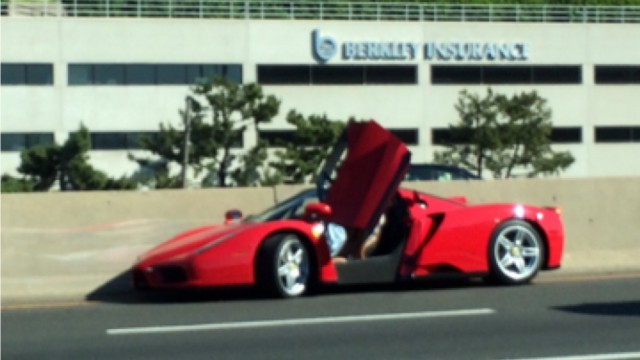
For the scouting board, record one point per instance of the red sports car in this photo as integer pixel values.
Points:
(285, 250)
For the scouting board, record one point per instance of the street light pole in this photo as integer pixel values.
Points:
(187, 135)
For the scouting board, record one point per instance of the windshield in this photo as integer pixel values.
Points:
(291, 208)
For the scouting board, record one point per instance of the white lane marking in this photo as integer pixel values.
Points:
(302, 321)
(614, 356)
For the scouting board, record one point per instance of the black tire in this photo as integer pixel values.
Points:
(516, 253)
(284, 267)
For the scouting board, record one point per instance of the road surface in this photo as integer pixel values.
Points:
(560, 319)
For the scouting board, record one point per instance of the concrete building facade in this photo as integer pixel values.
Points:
(122, 77)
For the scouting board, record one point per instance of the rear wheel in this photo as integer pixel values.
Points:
(516, 253)
(284, 267)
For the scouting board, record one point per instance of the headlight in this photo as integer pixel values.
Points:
(317, 230)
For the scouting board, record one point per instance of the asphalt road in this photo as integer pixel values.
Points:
(584, 319)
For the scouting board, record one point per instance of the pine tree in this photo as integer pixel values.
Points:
(506, 135)
(69, 165)
(300, 159)
(212, 129)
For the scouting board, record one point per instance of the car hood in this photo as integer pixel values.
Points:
(373, 167)
(195, 241)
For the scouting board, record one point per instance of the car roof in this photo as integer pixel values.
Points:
(428, 171)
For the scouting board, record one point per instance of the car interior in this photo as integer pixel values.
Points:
(382, 263)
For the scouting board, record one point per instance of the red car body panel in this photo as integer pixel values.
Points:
(451, 236)
(362, 186)
(221, 256)
(444, 235)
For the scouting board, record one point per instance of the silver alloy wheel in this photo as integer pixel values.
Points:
(293, 267)
(517, 252)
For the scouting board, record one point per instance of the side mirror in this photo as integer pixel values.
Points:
(416, 199)
(317, 211)
(232, 216)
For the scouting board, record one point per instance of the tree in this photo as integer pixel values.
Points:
(312, 141)
(155, 174)
(12, 184)
(188, 147)
(232, 107)
(252, 169)
(503, 134)
(43, 165)
(208, 145)
(527, 138)
(472, 140)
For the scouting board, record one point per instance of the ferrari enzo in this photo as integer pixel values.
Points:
(284, 250)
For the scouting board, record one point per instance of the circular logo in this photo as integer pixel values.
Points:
(324, 47)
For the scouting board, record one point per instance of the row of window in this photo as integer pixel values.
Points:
(439, 136)
(337, 74)
(276, 137)
(26, 74)
(185, 74)
(120, 74)
(498, 75)
(150, 74)
(19, 141)
(559, 135)
(114, 140)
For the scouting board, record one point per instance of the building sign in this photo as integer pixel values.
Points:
(326, 47)
(476, 51)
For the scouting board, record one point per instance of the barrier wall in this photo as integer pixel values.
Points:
(70, 245)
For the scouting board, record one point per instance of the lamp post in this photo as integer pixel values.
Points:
(186, 119)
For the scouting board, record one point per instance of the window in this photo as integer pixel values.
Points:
(444, 136)
(502, 74)
(80, 74)
(119, 140)
(27, 74)
(277, 138)
(408, 136)
(617, 74)
(150, 74)
(506, 75)
(456, 75)
(284, 75)
(557, 75)
(231, 72)
(108, 74)
(19, 141)
(617, 134)
(337, 74)
(172, 74)
(566, 135)
(391, 74)
(140, 74)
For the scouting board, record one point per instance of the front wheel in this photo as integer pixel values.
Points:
(284, 267)
(516, 253)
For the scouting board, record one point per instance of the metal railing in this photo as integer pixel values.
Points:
(303, 10)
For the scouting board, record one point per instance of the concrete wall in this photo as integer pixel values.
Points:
(68, 245)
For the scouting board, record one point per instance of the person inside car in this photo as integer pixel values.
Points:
(359, 247)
